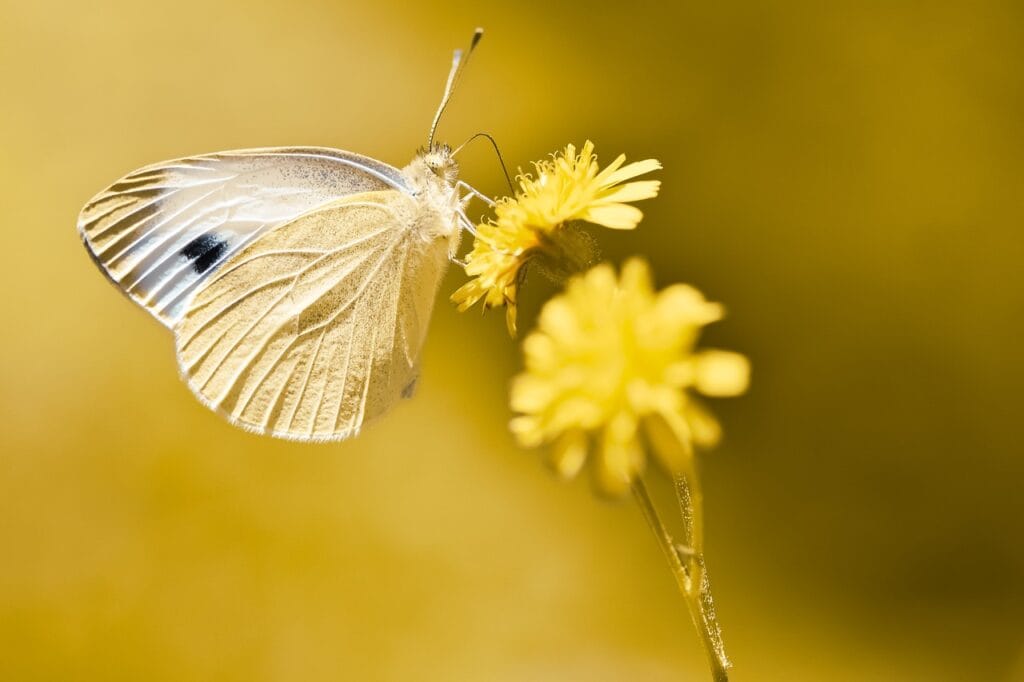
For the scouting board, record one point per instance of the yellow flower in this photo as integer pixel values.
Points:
(611, 362)
(569, 187)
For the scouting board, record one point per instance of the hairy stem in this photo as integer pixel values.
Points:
(691, 506)
(687, 565)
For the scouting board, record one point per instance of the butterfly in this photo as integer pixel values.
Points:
(298, 281)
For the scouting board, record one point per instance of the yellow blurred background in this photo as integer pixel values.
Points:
(845, 176)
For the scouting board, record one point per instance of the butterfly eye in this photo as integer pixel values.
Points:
(437, 164)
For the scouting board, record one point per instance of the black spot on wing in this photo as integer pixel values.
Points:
(204, 251)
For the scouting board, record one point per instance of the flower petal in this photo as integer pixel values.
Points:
(721, 373)
(510, 316)
(685, 304)
(531, 393)
(636, 276)
(633, 191)
(468, 294)
(621, 458)
(569, 453)
(527, 431)
(705, 428)
(604, 178)
(632, 170)
(613, 216)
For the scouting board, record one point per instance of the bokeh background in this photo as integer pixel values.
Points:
(845, 176)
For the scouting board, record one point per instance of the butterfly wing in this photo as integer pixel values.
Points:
(314, 329)
(161, 231)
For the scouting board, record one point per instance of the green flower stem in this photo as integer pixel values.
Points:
(687, 565)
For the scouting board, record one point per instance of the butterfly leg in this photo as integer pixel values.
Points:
(466, 224)
(472, 192)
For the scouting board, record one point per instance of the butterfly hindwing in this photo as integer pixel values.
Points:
(315, 327)
(161, 231)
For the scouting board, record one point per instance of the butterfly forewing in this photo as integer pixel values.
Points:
(314, 328)
(161, 231)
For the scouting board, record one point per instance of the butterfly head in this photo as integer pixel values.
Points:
(439, 162)
(433, 173)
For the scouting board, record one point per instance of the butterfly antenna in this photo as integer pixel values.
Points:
(458, 64)
(501, 160)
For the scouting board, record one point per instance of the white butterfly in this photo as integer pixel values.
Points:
(298, 282)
